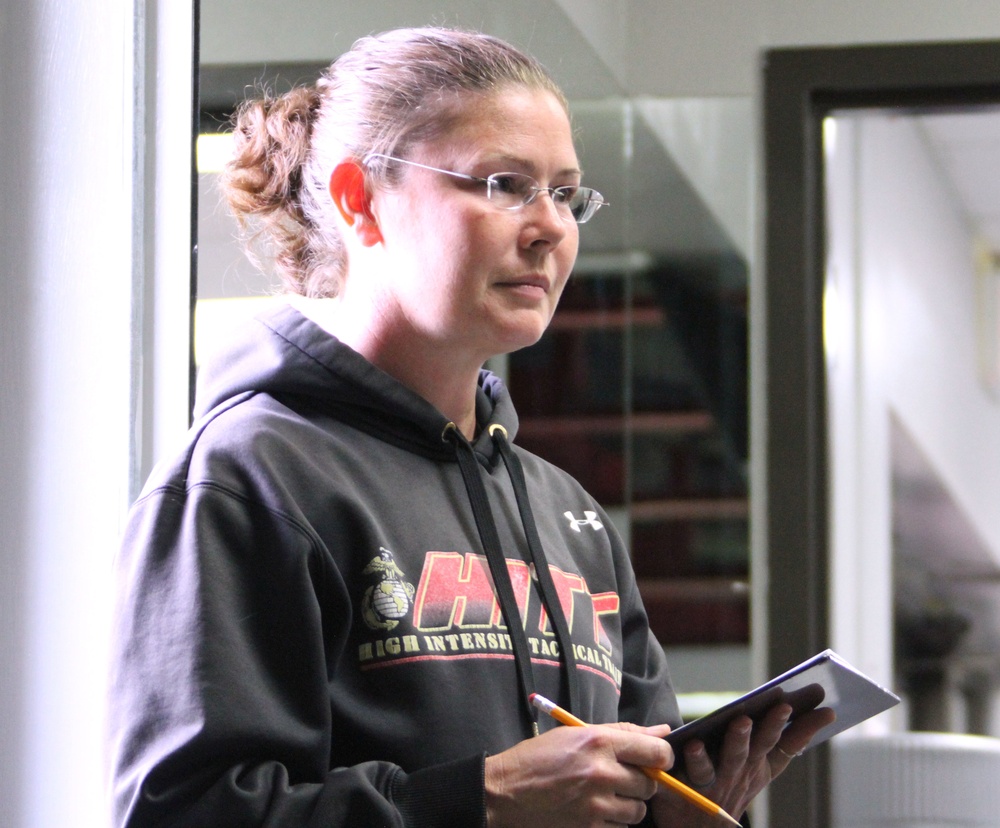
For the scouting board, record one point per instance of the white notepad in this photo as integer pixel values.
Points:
(825, 680)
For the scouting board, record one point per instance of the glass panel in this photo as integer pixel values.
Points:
(639, 387)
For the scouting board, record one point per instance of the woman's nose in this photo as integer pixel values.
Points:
(553, 221)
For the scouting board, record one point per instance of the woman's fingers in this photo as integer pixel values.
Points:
(698, 766)
(576, 777)
(797, 736)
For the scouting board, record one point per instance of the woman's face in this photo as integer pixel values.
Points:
(461, 272)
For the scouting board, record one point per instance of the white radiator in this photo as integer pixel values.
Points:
(916, 780)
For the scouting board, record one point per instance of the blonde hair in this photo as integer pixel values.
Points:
(387, 94)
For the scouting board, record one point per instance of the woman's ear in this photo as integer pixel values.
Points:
(347, 188)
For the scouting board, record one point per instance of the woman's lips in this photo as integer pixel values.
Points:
(532, 284)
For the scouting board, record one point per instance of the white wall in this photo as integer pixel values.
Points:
(65, 329)
(919, 253)
(75, 246)
(861, 615)
(685, 48)
(902, 268)
(680, 48)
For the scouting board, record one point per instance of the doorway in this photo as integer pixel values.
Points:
(810, 565)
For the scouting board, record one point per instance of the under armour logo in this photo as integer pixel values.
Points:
(589, 519)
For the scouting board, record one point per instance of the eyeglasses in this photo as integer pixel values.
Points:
(512, 191)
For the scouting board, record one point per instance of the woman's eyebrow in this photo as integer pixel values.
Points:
(517, 162)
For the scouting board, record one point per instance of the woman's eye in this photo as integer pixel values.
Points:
(565, 195)
(511, 183)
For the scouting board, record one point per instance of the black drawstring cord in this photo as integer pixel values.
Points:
(550, 594)
(498, 567)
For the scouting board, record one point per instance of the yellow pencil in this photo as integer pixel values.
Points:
(567, 718)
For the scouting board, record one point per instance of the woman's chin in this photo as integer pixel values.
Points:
(520, 338)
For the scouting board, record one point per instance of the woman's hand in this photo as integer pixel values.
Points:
(750, 759)
(576, 777)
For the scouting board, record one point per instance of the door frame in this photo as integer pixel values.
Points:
(801, 86)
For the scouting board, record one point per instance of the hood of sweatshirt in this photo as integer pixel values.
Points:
(286, 355)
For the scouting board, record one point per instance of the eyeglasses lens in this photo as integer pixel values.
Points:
(513, 190)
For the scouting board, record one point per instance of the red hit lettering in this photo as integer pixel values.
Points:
(457, 590)
(604, 603)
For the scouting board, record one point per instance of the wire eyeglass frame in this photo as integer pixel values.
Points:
(580, 203)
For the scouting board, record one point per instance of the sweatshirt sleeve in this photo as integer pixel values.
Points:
(219, 710)
(647, 691)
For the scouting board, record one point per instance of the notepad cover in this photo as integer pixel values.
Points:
(825, 680)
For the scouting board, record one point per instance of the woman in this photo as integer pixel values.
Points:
(336, 600)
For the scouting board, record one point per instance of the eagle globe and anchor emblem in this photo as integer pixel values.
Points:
(389, 599)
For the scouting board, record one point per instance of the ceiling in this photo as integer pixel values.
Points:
(967, 144)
